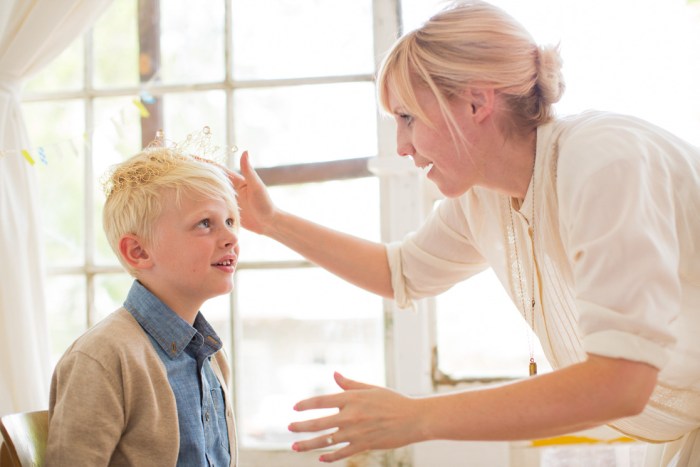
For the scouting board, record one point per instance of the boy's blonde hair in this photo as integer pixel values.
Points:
(135, 192)
(473, 43)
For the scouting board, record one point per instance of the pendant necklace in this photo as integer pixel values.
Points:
(532, 368)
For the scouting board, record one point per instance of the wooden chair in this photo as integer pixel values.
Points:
(24, 436)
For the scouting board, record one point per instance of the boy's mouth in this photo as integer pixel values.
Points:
(227, 263)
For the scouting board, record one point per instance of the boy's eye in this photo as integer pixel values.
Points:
(204, 223)
(230, 222)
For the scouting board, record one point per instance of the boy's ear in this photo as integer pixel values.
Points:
(481, 101)
(134, 252)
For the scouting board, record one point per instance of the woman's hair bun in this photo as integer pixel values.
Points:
(550, 80)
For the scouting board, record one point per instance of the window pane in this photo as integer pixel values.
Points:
(351, 206)
(481, 333)
(306, 123)
(626, 85)
(65, 73)
(286, 39)
(56, 131)
(116, 48)
(110, 293)
(117, 136)
(192, 41)
(294, 339)
(67, 313)
(117, 132)
(217, 311)
(188, 113)
(416, 12)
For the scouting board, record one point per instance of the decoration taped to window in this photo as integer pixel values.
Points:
(53, 150)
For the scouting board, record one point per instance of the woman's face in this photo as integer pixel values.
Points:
(448, 158)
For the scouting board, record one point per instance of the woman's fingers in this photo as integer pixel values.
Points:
(245, 163)
(320, 442)
(247, 169)
(328, 440)
(236, 178)
(347, 383)
(369, 417)
(315, 424)
(342, 453)
(256, 207)
(331, 401)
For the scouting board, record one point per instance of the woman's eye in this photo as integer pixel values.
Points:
(408, 119)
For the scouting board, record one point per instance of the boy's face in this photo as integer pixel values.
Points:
(195, 252)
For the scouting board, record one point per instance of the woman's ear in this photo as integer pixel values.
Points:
(134, 252)
(482, 102)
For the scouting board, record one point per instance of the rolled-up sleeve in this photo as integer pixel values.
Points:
(619, 224)
(434, 258)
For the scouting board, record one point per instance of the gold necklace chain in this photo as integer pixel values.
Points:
(532, 367)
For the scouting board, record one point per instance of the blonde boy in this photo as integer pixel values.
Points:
(149, 385)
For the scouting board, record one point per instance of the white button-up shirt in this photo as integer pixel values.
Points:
(616, 254)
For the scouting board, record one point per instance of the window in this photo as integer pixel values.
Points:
(261, 80)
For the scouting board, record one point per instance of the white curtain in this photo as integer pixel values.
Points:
(32, 33)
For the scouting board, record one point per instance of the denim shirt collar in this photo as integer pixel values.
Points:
(172, 333)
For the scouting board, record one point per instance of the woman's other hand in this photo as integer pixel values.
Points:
(369, 417)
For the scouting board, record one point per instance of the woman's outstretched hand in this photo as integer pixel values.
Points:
(257, 209)
(369, 417)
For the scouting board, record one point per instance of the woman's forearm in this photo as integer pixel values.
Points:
(358, 261)
(581, 396)
(584, 395)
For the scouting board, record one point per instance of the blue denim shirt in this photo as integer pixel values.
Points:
(186, 353)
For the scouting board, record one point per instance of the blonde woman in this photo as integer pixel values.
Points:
(590, 222)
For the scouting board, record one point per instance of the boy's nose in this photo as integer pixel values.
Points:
(230, 239)
(232, 242)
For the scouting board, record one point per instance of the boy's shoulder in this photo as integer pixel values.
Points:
(111, 337)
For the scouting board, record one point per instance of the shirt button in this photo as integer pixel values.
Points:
(206, 416)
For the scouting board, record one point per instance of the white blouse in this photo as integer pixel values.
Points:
(616, 237)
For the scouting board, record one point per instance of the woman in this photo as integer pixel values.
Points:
(590, 222)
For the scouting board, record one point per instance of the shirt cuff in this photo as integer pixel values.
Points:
(393, 255)
(618, 344)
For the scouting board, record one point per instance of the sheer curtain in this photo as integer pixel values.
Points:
(32, 33)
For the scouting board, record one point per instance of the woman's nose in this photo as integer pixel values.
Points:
(404, 146)
(404, 152)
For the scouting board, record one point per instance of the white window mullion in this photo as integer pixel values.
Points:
(409, 335)
(89, 180)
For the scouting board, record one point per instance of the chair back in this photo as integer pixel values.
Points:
(24, 436)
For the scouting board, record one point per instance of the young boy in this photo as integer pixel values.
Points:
(149, 385)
